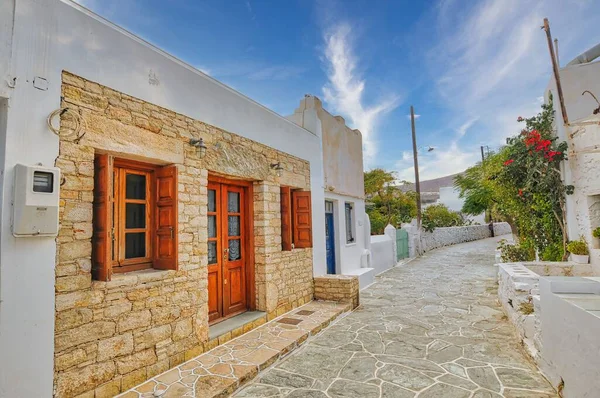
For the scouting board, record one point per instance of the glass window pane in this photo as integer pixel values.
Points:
(135, 215)
(212, 252)
(349, 224)
(212, 226)
(234, 226)
(233, 202)
(135, 186)
(212, 200)
(234, 250)
(135, 245)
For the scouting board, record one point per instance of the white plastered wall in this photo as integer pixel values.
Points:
(582, 170)
(55, 35)
(343, 182)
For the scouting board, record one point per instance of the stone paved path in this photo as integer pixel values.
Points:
(429, 329)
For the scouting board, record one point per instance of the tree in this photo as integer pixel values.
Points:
(386, 203)
(437, 216)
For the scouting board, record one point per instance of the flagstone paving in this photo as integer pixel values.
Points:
(220, 371)
(429, 329)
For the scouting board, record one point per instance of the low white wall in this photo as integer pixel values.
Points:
(517, 290)
(569, 334)
(560, 334)
(382, 253)
(447, 236)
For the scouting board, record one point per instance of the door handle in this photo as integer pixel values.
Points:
(225, 251)
(172, 232)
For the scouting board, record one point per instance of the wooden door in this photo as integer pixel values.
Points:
(226, 250)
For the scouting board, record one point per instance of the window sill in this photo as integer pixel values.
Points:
(350, 244)
(134, 278)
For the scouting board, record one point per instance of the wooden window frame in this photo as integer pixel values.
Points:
(121, 168)
(109, 223)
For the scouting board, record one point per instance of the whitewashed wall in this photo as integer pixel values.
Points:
(447, 236)
(569, 335)
(582, 169)
(382, 253)
(54, 35)
(342, 177)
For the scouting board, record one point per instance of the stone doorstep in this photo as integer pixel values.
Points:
(222, 370)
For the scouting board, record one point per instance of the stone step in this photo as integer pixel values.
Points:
(222, 370)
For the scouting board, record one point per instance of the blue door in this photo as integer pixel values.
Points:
(329, 238)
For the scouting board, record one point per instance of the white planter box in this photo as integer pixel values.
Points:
(580, 259)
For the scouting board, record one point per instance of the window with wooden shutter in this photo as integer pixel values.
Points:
(102, 236)
(286, 219)
(165, 255)
(302, 219)
(135, 217)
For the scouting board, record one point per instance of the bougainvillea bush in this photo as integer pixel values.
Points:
(522, 184)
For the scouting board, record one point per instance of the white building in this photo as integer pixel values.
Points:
(582, 133)
(347, 225)
(450, 197)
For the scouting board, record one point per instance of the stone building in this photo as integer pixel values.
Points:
(182, 204)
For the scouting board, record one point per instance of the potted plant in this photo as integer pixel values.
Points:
(579, 251)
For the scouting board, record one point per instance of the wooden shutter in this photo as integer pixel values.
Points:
(102, 237)
(165, 236)
(301, 209)
(286, 219)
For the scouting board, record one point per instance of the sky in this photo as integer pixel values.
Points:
(469, 68)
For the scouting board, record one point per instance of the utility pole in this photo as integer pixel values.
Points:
(488, 212)
(556, 72)
(417, 183)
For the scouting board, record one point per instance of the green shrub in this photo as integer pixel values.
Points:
(596, 232)
(378, 221)
(436, 216)
(578, 247)
(552, 252)
(514, 253)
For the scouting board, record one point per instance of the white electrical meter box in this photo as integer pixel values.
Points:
(35, 205)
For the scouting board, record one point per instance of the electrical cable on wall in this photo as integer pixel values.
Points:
(77, 132)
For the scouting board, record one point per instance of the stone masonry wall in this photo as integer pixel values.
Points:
(110, 336)
(340, 288)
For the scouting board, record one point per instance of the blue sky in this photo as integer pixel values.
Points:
(470, 68)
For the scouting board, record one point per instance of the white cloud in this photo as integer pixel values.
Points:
(416, 117)
(437, 163)
(345, 88)
(462, 130)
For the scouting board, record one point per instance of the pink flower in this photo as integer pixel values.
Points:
(520, 119)
(509, 161)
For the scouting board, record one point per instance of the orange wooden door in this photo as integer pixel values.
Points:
(226, 250)
(215, 258)
(234, 256)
